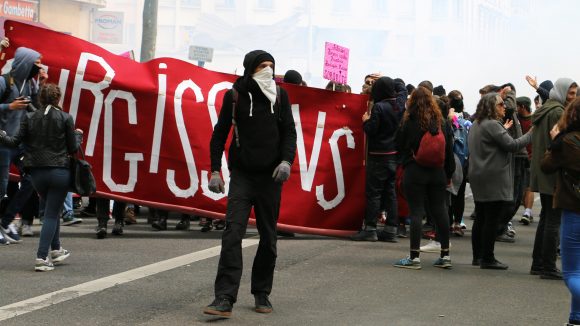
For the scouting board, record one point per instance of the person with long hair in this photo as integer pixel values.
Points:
(563, 157)
(49, 137)
(424, 184)
(490, 175)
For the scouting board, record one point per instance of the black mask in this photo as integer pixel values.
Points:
(457, 104)
(34, 71)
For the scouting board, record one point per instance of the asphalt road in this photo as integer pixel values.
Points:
(148, 277)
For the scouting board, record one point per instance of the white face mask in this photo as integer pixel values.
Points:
(264, 80)
(264, 74)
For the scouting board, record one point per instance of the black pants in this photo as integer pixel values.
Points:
(103, 210)
(263, 194)
(547, 233)
(420, 183)
(380, 181)
(484, 229)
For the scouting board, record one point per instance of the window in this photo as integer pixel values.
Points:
(380, 7)
(437, 46)
(405, 9)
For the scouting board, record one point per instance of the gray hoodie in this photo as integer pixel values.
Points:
(21, 86)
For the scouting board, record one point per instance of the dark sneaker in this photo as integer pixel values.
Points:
(118, 228)
(221, 306)
(476, 262)
(160, 224)
(101, 231)
(11, 233)
(263, 304)
(551, 275)
(505, 238)
(364, 235)
(43, 265)
(69, 218)
(206, 225)
(183, 225)
(402, 231)
(58, 256)
(285, 234)
(525, 220)
(493, 265)
(387, 237)
(219, 224)
(444, 262)
(536, 271)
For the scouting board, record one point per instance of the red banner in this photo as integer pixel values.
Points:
(147, 128)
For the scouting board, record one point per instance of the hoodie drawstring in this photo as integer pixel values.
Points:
(251, 103)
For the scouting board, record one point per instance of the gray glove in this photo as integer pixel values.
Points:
(281, 172)
(216, 184)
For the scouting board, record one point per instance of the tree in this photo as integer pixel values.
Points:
(149, 30)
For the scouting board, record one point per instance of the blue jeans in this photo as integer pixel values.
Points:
(7, 155)
(52, 186)
(570, 251)
(68, 203)
(380, 179)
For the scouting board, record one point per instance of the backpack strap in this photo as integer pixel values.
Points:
(8, 89)
(235, 97)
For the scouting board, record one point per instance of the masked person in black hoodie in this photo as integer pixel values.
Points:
(380, 126)
(260, 155)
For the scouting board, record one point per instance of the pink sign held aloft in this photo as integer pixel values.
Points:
(335, 63)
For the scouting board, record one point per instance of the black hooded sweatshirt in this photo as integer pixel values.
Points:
(385, 117)
(265, 138)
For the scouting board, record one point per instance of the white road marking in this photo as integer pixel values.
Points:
(49, 299)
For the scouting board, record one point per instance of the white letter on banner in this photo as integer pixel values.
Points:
(307, 172)
(96, 89)
(132, 158)
(189, 192)
(337, 169)
(214, 118)
(159, 117)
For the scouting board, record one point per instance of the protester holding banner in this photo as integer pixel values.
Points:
(380, 126)
(48, 136)
(260, 156)
(423, 121)
(17, 92)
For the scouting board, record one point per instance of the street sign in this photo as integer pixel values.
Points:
(200, 53)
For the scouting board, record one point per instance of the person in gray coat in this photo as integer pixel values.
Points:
(490, 175)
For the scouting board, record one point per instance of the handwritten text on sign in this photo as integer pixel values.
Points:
(335, 63)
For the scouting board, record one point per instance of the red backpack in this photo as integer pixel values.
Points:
(431, 152)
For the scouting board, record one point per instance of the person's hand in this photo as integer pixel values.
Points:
(281, 172)
(5, 42)
(532, 81)
(366, 117)
(508, 124)
(504, 92)
(554, 132)
(18, 104)
(42, 76)
(451, 113)
(216, 184)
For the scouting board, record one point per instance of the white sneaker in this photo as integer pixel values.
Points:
(11, 233)
(27, 230)
(43, 265)
(58, 256)
(510, 230)
(3, 240)
(431, 246)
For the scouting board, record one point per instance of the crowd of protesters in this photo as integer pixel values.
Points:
(422, 150)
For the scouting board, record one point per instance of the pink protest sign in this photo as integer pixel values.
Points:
(335, 63)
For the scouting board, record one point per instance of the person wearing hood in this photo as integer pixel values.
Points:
(380, 126)
(543, 120)
(18, 90)
(260, 156)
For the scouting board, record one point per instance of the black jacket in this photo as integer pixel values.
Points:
(408, 138)
(48, 137)
(385, 116)
(265, 138)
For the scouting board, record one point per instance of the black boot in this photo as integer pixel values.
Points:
(118, 227)
(161, 223)
(101, 230)
(184, 223)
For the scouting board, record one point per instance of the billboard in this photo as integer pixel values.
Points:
(107, 27)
